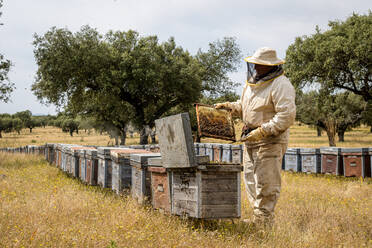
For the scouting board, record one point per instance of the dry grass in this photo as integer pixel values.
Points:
(40, 136)
(42, 207)
(301, 136)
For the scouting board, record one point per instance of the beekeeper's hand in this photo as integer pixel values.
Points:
(256, 135)
(222, 106)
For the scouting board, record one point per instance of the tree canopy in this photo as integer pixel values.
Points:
(123, 76)
(335, 113)
(339, 58)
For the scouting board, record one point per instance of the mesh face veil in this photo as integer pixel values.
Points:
(251, 72)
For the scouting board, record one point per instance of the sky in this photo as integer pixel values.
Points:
(193, 23)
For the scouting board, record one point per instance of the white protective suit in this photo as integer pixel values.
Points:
(271, 105)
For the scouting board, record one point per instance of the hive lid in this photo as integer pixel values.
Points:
(354, 150)
(125, 153)
(237, 147)
(310, 151)
(137, 146)
(293, 151)
(175, 141)
(91, 152)
(208, 145)
(143, 157)
(105, 150)
(330, 150)
(201, 159)
(154, 161)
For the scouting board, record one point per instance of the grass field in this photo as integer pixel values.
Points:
(301, 136)
(40, 206)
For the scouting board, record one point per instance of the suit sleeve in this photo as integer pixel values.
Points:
(283, 97)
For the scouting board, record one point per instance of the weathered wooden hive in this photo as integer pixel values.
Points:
(105, 166)
(82, 165)
(310, 160)
(161, 183)
(331, 160)
(91, 166)
(208, 191)
(356, 162)
(292, 160)
(74, 153)
(121, 169)
(141, 178)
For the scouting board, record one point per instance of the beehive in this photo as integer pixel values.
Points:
(201, 149)
(237, 154)
(356, 162)
(217, 152)
(141, 178)
(74, 167)
(82, 165)
(160, 183)
(310, 160)
(331, 160)
(209, 151)
(208, 191)
(160, 187)
(105, 166)
(293, 160)
(121, 169)
(226, 154)
(196, 146)
(91, 161)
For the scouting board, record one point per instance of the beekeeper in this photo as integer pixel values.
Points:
(267, 108)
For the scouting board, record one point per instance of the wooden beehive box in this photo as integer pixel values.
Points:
(201, 149)
(226, 155)
(121, 169)
(217, 152)
(91, 166)
(141, 178)
(82, 165)
(331, 160)
(74, 170)
(292, 160)
(160, 183)
(310, 160)
(105, 166)
(207, 192)
(209, 151)
(175, 141)
(356, 162)
(160, 187)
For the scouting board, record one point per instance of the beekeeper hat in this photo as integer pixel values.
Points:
(264, 56)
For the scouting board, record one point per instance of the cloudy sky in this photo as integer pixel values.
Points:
(193, 23)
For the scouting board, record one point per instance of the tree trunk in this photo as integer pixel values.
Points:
(152, 135)
(341, 136)
(123, 138)
(30, 129)
(1, 135)
(331, 132)
(370, 130)
(71, 132)
(319, 131)
(116, 140)
(77, 130)
(144, 136)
